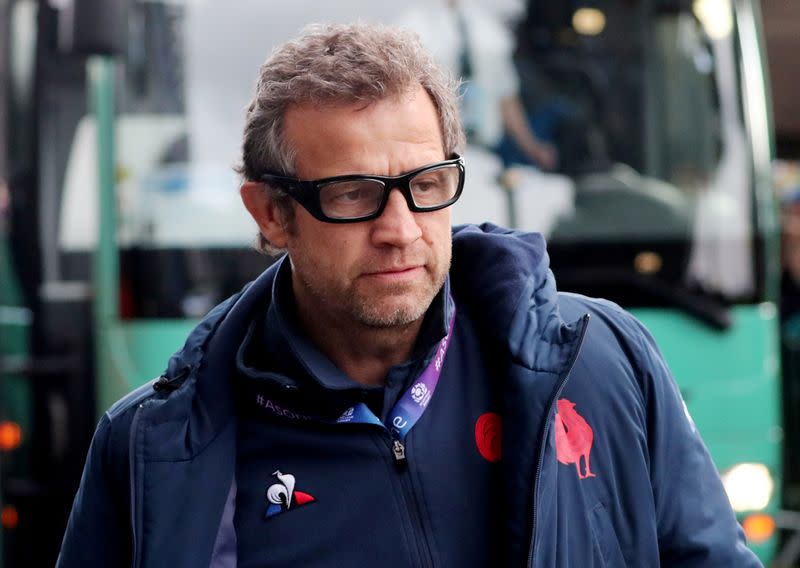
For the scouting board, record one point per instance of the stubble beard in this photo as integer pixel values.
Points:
(378, 312)
(374, 313)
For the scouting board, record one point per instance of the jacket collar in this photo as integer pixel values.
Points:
(502, 276)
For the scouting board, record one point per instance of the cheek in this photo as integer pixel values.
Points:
(315, 238)
(437, 230)
(332, 248)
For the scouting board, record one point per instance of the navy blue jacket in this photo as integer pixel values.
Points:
(601, 465)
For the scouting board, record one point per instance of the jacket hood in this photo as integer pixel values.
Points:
(504, 275)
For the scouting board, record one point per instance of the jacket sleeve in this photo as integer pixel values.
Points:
(696, 525)
(98, 531)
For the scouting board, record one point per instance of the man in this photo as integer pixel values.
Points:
(346, 408)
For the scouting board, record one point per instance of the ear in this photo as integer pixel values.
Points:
(265, 212)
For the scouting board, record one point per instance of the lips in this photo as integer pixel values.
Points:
(395, 272)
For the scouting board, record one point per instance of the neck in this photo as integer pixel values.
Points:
(365, 353)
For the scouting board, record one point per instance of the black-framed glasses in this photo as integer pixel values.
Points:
(353, 198)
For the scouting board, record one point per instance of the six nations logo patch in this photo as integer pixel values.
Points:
(421, 394)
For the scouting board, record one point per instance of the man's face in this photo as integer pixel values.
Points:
(384, 272)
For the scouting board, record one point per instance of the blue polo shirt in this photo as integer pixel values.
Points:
(311, 492)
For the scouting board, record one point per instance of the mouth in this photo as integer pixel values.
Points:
(395, 274)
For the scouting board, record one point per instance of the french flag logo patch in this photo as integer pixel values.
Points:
(282, 496)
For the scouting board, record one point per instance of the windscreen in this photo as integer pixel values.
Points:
(643, 102)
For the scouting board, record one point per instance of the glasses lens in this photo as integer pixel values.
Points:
(350, 199)
(435, 187)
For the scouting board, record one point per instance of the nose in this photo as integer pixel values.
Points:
(397, 226)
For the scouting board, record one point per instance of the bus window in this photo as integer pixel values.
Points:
(647, 118)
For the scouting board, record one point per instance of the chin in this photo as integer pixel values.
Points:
(388, 316)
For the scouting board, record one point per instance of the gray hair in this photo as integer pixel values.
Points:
(330, 64)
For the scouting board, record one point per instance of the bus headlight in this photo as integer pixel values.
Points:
(749, 486)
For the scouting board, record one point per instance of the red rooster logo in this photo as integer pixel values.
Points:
(573, 438)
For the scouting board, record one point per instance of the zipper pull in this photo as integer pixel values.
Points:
(399, 451)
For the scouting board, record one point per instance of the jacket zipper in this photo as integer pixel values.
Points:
(540, 461)
(400, 458)
(399, 452)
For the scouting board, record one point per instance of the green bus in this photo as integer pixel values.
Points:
(125, 225)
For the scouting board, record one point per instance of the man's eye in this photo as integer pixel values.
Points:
(429, 182)
(427, 185)
(349, 196)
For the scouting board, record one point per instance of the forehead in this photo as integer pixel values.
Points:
(387, 136)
